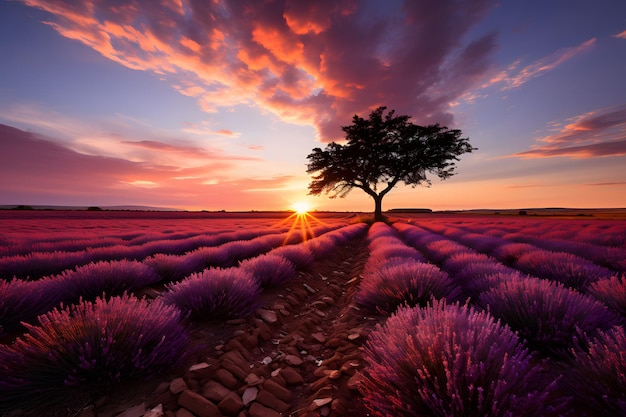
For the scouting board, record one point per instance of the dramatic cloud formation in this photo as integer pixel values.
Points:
(309, 62)
(593, 134)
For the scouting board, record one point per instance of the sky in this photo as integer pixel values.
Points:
(215, 105)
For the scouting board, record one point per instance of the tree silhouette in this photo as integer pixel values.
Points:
(384, 149)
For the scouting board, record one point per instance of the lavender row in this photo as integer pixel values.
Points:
(432, 358)
(396, 274)
(77, 351)
(24, 300)
(571, 270)
(613, 258)
(473, 272)
(39, 264)
(451, 359)
(218, 294)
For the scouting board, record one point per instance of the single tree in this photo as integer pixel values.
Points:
(384, 149)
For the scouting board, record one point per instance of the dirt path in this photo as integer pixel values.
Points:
(296, 357)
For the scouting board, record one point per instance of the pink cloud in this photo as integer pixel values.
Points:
(594, 134)
(184, 150)
(621, 35)
(514, 77)
(313, 63)
(37, 170)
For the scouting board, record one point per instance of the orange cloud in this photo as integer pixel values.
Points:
(307, 62)
(598, 133)
(621, 35)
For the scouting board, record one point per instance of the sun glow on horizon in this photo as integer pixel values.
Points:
(301, 207)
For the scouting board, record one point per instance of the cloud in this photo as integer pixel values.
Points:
(594, 134)
(36, 169)
(308, 62)
(515, 75)
(621, 35)
(515, 78)
(607, 184)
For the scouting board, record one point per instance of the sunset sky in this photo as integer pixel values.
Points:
(198, 104)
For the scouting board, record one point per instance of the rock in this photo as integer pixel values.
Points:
(270, 400)
(214, 391)
(293, 360)
(235, 369)
(353, 336)
(234, 322)
(249, 395)
(309, 288)
(161, 388)
(258, 410)
(278, 390)
(198, 405)
(202, 370)
(184, 413)
(155, 412)
(292, 377)
(136, 411)
(335, 374)
(236, 345)
(319, 337)
(268, 316)
(328, 300)
(254, 379)
(319, 402)
(177, 386)
(226, 378)
(338, 407)
(354, 382)
(319, 384)
(231, 404)
(198, 366)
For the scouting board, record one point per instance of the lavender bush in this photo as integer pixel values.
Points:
(269, 270)
(572, 271)
(22, 300)
(509, 253)
(410, 283)
(113, 278)
(215, 294)
(450, 360)
(545, 313)
(597, 377)
(170, 268)
(612, 292)
(299, 255)
(83, 349)
(38, 264)
(321, 246)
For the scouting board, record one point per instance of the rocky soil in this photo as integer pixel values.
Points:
(299, 355)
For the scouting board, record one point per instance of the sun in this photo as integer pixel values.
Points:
(301, 207)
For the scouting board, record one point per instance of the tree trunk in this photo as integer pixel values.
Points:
(378, 209)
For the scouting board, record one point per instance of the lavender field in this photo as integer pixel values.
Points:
(427, 315)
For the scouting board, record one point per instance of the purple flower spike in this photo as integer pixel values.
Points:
(215, 294)
(450, 360)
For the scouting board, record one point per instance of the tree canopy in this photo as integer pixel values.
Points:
(381, 152)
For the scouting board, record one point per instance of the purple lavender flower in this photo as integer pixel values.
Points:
(269, 270)
(450, 360)
(215, 294)
(597, 376)
(76, 352)
(411, 283)
(545, 313)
